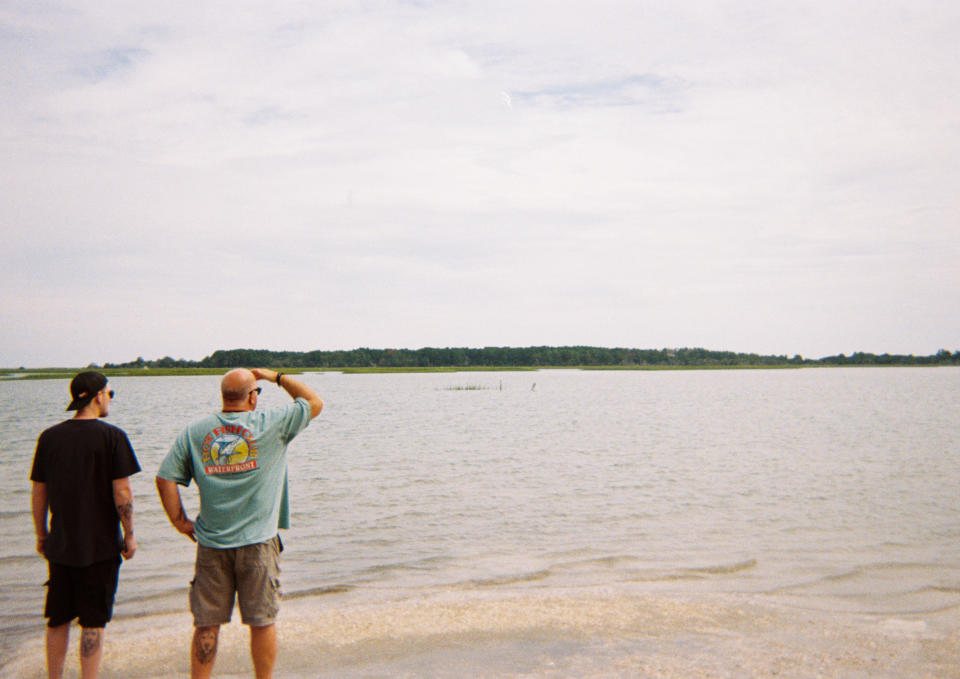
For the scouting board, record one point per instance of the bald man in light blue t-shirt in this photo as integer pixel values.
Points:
(237, 458)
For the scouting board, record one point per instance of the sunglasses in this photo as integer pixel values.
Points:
(258, 390)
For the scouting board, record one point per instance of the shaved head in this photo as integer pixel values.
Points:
(236, 385)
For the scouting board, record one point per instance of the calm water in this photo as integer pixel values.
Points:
(558, 523)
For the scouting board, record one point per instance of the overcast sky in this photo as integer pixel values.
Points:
(756, 176)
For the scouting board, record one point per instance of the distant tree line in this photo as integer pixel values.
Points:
(515, 357)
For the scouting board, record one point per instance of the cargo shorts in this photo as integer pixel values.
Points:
(252, 572)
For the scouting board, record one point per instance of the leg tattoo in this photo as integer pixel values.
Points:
(205, 646)
(90, 642)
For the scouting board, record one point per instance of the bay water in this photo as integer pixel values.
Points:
(555, 523)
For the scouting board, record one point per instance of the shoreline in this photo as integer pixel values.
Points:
(595, 632)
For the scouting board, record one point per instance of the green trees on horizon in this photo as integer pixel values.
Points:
(517, 357)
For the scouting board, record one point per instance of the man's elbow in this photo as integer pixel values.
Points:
(122, 489)
(316, 405)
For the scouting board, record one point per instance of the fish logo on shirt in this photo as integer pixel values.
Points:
(229, 449)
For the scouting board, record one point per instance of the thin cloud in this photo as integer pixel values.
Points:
(109, 63)
(647, 90)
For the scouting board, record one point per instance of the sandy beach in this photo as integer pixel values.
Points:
(584, 635)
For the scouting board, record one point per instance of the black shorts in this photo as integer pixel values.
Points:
(86, 593)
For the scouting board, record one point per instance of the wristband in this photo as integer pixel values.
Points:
(279, 375)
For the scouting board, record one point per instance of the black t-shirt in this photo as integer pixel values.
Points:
(78, 460)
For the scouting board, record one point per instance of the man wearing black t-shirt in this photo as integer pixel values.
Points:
(81, 482)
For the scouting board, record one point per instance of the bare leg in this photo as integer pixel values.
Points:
(57, 640)
(263, 648)
(204, 651)
(91, 651)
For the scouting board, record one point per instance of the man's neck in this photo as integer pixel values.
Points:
(88, 412)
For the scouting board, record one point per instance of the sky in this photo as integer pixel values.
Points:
(753, 176)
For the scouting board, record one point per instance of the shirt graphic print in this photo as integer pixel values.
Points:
(229, 449)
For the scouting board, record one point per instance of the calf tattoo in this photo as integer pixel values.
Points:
(205, 646)
(90, 642)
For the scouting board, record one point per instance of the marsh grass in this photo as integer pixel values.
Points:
(10, 374)
(430, 369)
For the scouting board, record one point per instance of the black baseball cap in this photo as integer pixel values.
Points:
(84, 387)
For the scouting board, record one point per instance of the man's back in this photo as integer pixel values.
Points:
(239, 463)
(78, 461)
(238, 458)
(80, 498)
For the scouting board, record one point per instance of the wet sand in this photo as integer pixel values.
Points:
(584, 635)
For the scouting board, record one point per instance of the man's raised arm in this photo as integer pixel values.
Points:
(292, 386)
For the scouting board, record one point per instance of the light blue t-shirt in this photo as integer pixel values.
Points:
(239, 462)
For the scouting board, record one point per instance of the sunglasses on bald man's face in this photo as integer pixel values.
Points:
(258, 390)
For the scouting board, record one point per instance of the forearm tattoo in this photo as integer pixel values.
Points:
(125, 511)
(205, 646)
(90, 642)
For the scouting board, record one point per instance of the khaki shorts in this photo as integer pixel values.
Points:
(251, 571)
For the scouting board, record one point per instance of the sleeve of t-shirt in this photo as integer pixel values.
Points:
(124, 460)
(176, 465)
(296, 418)
(37, 472)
